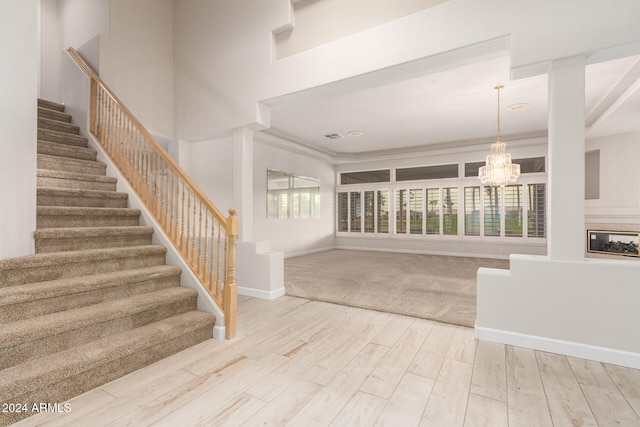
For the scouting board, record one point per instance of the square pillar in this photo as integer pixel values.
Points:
(243, 181)
(565, 212)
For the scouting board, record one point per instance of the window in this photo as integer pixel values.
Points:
(383, 212)
(365, 177)
(415, 211)
(492, 211)
(363, 211)
(356, 211)
(401, 211)
(343, 212)
(433, 210)
(513, 202)
(427, 172)
(536, 210)
(292, 196)
(432, 217)
(450, 211)
(528, 165)
(472, 211)
(369, 211)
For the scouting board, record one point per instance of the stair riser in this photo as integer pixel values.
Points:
(58, 126)
(96, 375)
(63, 221)
(43, 103)
(60, 244)
(20, 276)
(62, 138)
(127, 321)
(61, 150)
(54, 115)
(79, 201)
(45, 181)
(70, 165)
(41, 307)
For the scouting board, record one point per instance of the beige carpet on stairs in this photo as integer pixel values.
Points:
(441, 288)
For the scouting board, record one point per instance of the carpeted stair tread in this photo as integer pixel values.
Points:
(76, 176)
(51, 105)
(81, 238)
(67, 217)
(78, 233)
(52, 114)
(43, 335)
(59, 265)
(44, 123)
(36, 299)
(63, 138)
(79, 197)
(91, 167)
(63, 150)
(62, 375)
(62, 179)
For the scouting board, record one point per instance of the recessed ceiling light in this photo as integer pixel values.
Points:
(517, 107)
(354, 133)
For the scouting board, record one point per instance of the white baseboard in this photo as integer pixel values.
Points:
(309, 252)
(568, 348)
(259, 293)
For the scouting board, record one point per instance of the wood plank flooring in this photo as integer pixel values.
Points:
(305, 363)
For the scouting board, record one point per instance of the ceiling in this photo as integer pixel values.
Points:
(455, 105)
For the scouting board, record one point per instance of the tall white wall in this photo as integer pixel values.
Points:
(224, 61)
(320, 22)
(619, 180)
(136, 60)
(19, 87)
(50, 50)
(293, 236)
(82, 20)
(209, 165)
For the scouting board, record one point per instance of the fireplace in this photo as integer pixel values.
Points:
(623, 243)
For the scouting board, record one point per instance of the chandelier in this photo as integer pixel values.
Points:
(498, 170)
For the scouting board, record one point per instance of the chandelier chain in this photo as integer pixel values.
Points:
(498, 88)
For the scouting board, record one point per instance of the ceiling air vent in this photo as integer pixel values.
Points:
(333, 136)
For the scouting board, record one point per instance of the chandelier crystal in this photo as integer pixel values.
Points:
(498, 170)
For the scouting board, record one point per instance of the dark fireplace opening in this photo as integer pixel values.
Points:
(613, 242)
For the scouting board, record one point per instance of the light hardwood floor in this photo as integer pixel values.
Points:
(303, 363)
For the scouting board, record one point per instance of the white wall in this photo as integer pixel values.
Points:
(209, 164)
(136, 60)
(18, 105)
(50, 50)
(293, 236)
(82, 20)
(619, 180)
(583, 309)
(223, 50)
(315, 23)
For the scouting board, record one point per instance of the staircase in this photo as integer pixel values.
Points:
(96, 301)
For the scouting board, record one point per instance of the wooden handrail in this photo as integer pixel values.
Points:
(92, 74)
(205, 238)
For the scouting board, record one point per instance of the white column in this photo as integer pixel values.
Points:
(566, 226)
(18, 107)
(243, 181)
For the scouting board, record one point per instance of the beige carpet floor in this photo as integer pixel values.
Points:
(441, 288)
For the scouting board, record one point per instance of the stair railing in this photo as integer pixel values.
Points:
(205, 238)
